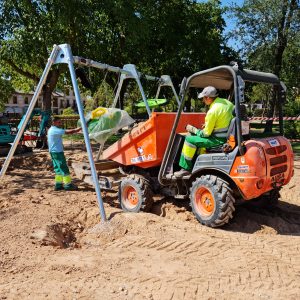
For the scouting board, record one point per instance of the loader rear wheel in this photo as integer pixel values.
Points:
(135, 194)
(212, 200)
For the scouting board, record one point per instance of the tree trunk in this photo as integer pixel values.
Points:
(283, 32)
(49, 87)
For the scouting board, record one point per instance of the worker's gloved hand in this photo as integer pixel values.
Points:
(191, 129)
(200, 133)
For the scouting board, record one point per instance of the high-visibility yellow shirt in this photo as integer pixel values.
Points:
(218, 116)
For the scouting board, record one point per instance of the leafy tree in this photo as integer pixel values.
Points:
(6, 90)
(176, 37)
(268, 32)
(29, 28)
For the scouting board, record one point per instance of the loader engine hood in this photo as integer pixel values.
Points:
(266, 165)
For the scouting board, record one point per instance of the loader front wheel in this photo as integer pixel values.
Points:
(135, 194)
(212, 200)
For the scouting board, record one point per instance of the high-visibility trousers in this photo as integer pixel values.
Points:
(190, 146)
(61, 169)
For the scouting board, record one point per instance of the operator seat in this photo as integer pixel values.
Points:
(231, 134)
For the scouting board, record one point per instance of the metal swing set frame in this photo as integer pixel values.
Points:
(62, 54)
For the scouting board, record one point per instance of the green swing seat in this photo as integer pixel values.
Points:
(152, 103)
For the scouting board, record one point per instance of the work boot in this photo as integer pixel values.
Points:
(182, 173)
(58, 187)
(70, 187)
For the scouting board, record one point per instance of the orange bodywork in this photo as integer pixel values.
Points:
(267, 164)
(145, 145)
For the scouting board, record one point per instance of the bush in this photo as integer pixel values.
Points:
(292, 128)
(68, 111)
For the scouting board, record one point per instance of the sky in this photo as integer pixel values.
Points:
(230, 23)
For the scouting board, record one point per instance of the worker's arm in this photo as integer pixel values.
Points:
(210, 121)
(71, 131)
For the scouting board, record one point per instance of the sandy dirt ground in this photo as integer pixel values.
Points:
(52, 245)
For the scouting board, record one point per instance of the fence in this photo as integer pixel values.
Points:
(34, 124)
(71, 122)
(275, 119)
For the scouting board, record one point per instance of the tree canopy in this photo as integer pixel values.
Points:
(269, 36)
(175, 37)
(268, 32)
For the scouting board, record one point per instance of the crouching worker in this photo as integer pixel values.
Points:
(213, 134)
(56, 150)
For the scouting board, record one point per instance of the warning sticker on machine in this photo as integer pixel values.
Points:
(243, 169)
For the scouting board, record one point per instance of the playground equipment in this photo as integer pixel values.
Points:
(129, 72)
(163, 81)
(61, 54)
(7, 136)
(243, 169)
(8, 133)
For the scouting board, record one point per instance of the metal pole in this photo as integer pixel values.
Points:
(91, 63)
(175, 94)
(165, 80)
(29, 110)
(117, 95)
(85, 131)
(157, 92)
(143, 96)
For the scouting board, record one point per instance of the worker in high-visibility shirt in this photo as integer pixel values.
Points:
(213, 134)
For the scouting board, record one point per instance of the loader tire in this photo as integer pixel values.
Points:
(212, 200)
(135, 194)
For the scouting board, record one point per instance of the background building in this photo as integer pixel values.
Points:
(19, 102)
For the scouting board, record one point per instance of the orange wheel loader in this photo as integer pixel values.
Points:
(243, 169)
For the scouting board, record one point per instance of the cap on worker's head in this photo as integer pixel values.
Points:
(209, 91)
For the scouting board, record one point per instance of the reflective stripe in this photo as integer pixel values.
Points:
(188, 150)
(225, 129)
(67, 179)
(221, 132)
(220, 135)
(58, 178)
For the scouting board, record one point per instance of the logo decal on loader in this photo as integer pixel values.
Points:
(141, 158)
(219, 158)
(274, 143)
(243, 169)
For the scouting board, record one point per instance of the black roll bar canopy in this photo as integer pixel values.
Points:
(223, 78)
